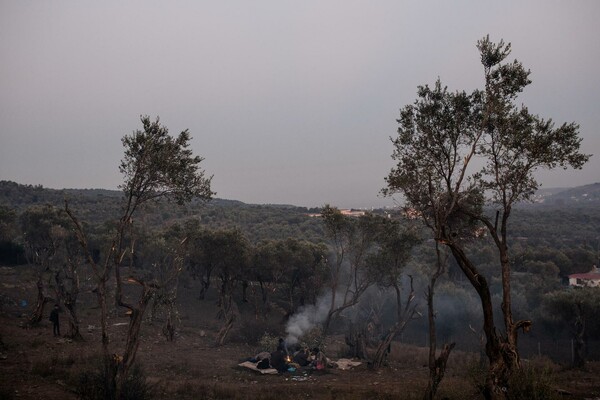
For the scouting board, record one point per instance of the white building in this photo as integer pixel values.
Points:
(588, 279)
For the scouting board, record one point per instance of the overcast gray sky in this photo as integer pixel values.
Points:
(288, 101)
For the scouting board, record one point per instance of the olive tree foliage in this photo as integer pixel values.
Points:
(155, 166)
(42, 229)
(457, 152)
(351, 242)
(293, 267)
(165, 253)
(11, 251)
(394, 245)
(234, 253)
(306, 273)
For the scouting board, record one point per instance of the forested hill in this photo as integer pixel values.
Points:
(97, 206)
(566, 221)
(587, 195)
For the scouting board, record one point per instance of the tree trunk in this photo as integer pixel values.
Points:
(69, 299)
(499, 371)
(384, 347)
(356, 339)
(228, 311)
(133, 340)
(229, 316)
(437, 371)
(224, 331)
(244, 291)
(579, 338)
(38, 313)
(74, 332)
(437, 366)
(404, 316)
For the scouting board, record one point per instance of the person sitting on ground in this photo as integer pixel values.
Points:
(261, 356)
(320, 361)
(301, 357)
(262, 360)
(278, 360)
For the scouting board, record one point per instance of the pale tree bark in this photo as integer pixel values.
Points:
(228, 311)
(41, 300)
(69, 295)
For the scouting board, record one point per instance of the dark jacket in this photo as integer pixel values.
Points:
(278, 361)
(301, 358)
(54, 316)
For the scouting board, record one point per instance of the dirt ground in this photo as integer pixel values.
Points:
(36, 365)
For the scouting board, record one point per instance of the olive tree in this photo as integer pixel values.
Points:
(395, 244)
(155, 166)
(352, 241)
(43, 235)
(463, 161)
(576, 309)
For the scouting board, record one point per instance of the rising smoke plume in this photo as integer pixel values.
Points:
(306, 319)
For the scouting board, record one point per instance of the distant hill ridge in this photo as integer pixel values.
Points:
(96, 206)
(21, 196)
(581, 195)
(18, 195)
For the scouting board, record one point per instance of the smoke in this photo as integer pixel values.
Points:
(307, 318)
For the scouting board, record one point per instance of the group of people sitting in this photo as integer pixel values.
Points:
(282, 360)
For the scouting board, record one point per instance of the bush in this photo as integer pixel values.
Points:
(532, 383)
(251, 332)
(313, 338)
(91, 385)
(268, 342)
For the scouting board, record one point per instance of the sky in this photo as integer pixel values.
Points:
(289, 102)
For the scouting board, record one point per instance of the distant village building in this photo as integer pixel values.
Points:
(346, 212)
(588, 279)
(353, 213)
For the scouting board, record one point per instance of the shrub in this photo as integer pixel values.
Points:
(532, 383)
(313, 338)
(251, 332)
(268, 342)
(91, 385)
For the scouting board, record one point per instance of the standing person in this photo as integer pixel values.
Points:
(55, 321)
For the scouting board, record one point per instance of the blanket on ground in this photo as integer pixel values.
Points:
(252, 366)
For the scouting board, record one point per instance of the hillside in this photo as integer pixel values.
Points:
(587, 195)
(549, 241)
(96, 206)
